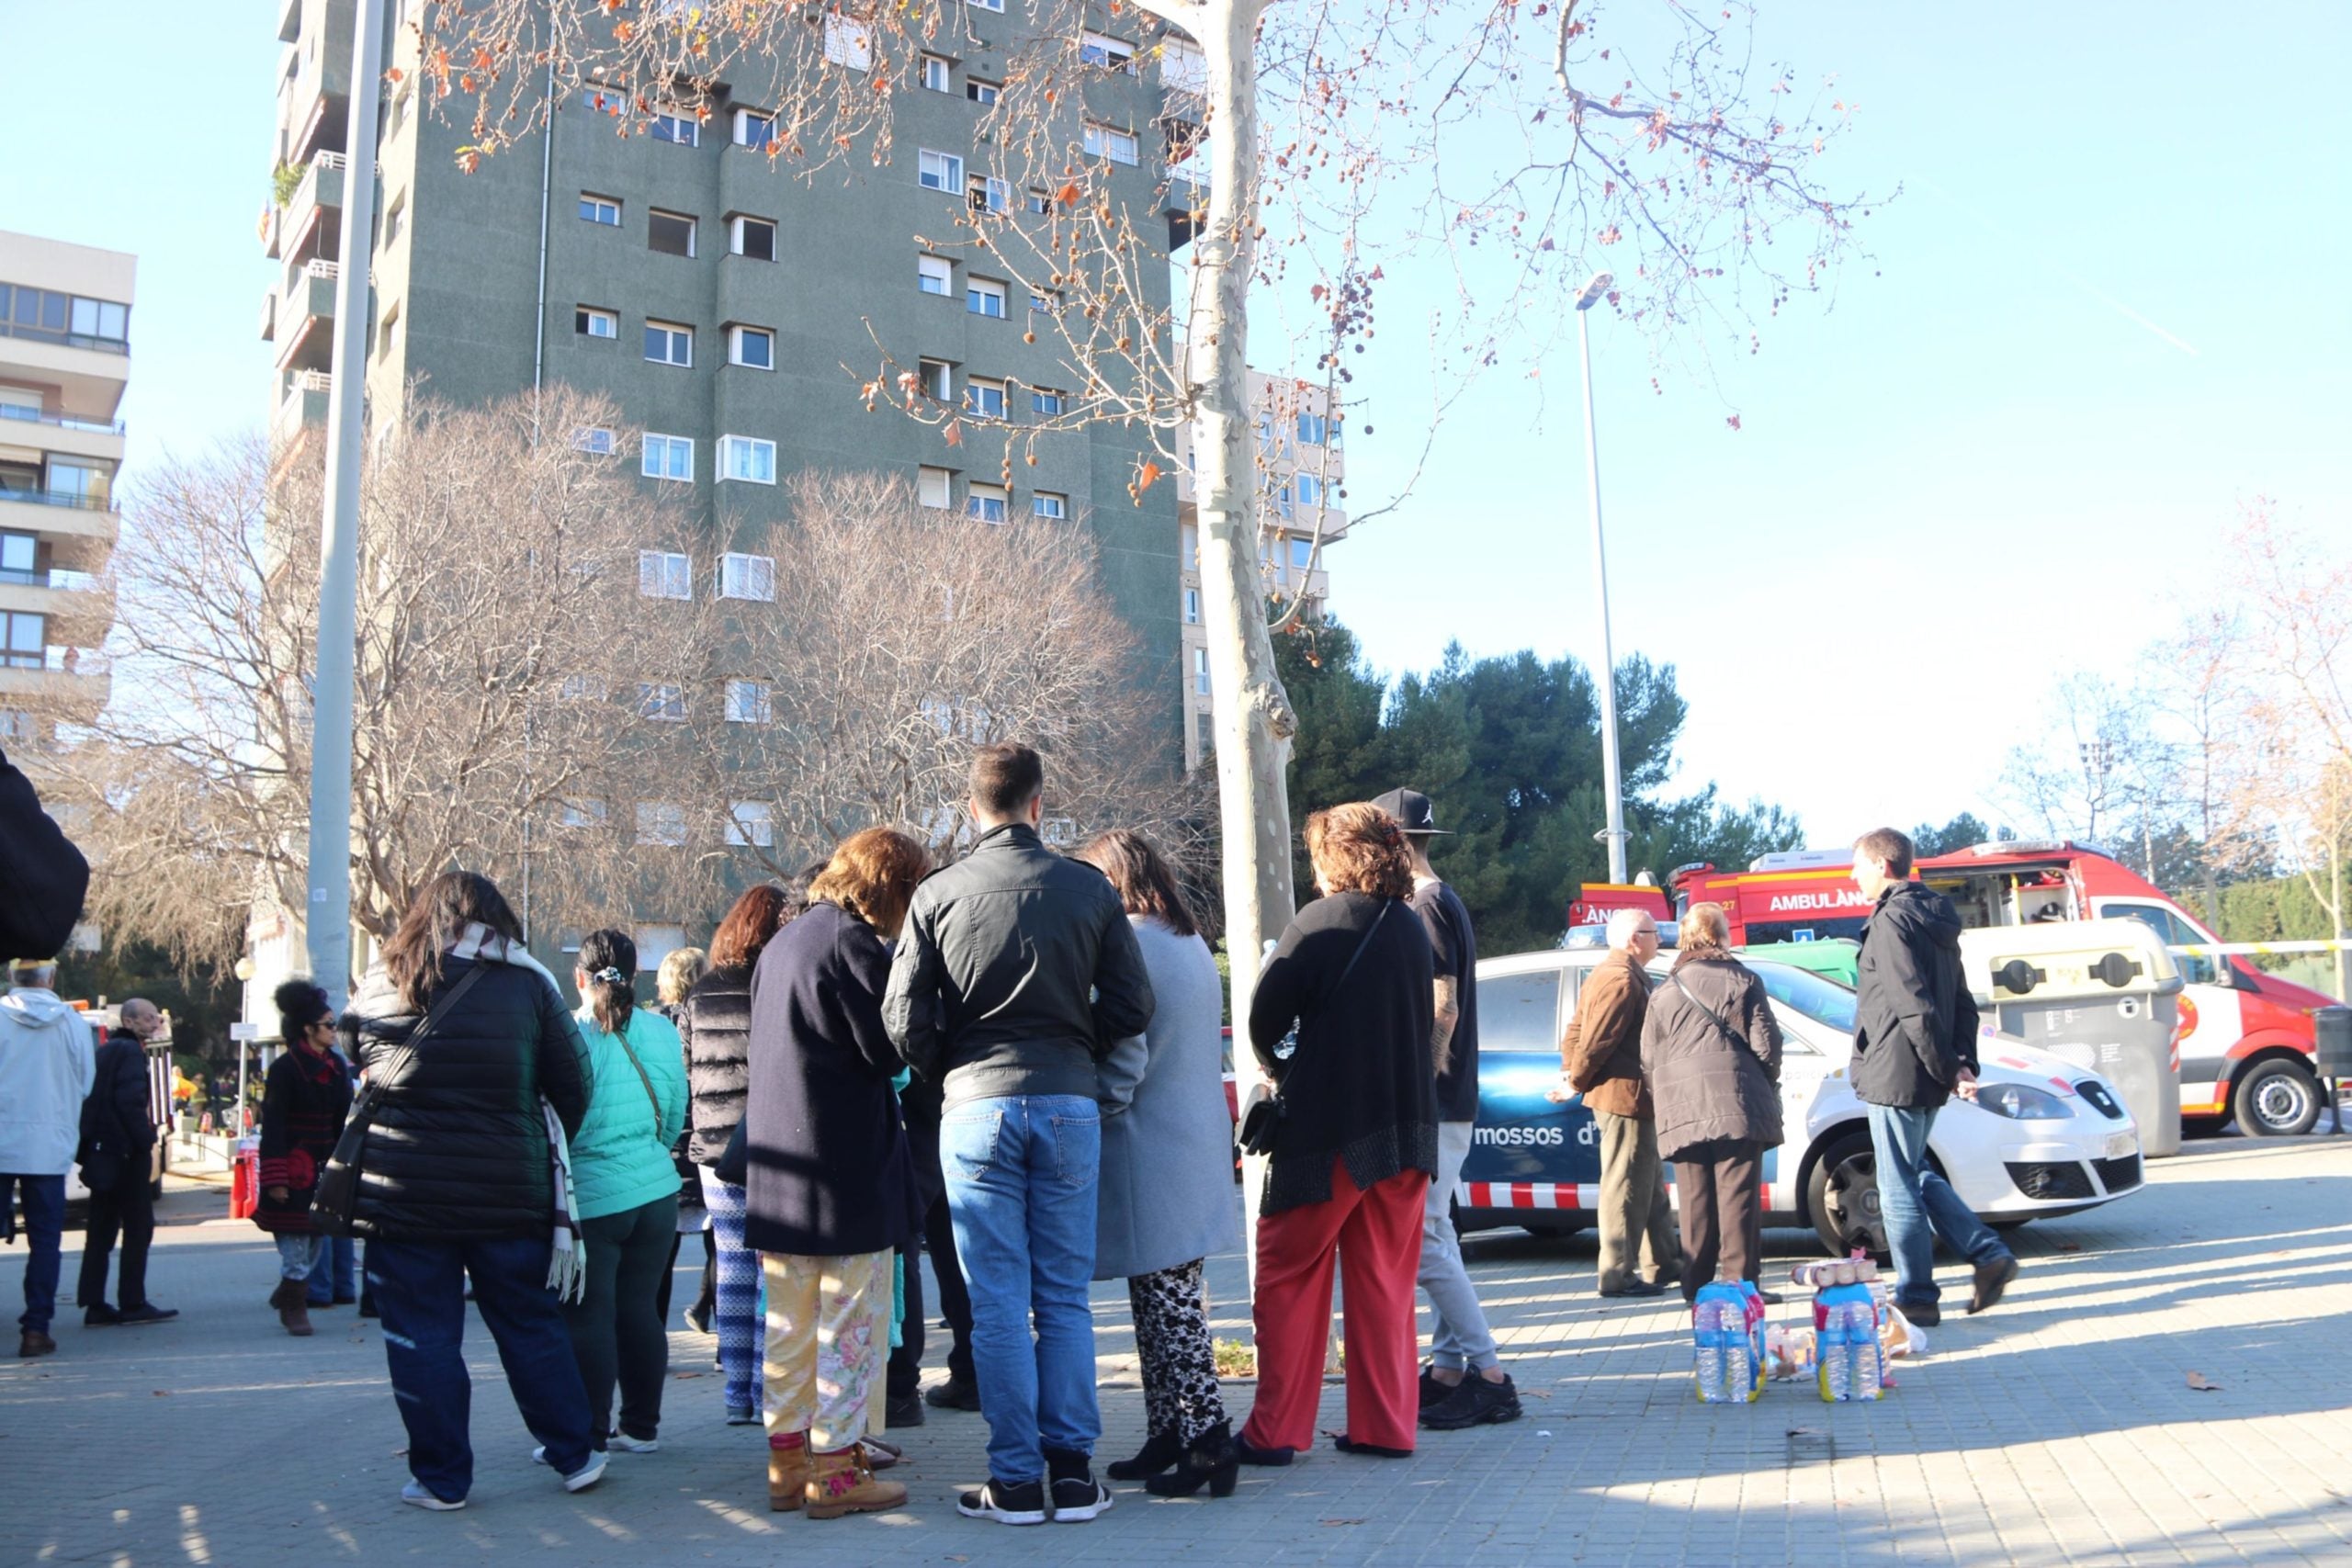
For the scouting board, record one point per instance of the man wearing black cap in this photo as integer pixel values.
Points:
(1461, 1342)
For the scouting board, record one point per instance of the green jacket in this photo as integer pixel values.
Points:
(621, 1158)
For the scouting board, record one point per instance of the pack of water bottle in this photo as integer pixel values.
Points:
(1727, 1342)
(1846, 1310)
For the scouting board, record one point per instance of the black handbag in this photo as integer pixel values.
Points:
(1263, 1111)
(336, 1196)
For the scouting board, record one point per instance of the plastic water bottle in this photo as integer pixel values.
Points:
(1706, 1330)
(1834, 1356)
(1863, 1317)
(1739, 1364)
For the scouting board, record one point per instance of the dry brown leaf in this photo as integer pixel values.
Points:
(2203, 1383)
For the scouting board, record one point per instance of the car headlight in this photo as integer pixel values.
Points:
(2020, 1103)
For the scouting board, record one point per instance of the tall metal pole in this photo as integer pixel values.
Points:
(1605, 678)
(327, 921)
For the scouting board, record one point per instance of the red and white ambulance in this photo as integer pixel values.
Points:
(2246, 1038)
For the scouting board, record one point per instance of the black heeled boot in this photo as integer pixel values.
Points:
(1160, 1451)
(1211, 1460)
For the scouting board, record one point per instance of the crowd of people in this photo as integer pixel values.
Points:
(1012, 1063)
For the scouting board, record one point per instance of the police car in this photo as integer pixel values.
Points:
(2044, 1137)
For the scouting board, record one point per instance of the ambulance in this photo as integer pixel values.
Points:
(2246, 1040)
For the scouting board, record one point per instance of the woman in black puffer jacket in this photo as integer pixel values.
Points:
(1711, 1052)
(454, 1178)
(715, 1024)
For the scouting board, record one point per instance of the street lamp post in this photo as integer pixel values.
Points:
(1605, 678)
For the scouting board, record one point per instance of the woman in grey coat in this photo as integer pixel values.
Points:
(1166, 1194)
(1710, 1050)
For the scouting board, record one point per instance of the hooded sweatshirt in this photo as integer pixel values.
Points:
(1915, 1024)
(48, 1060)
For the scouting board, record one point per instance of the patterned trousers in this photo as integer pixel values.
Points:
(1180, 1392)
(737, 1318)
(829, 1335)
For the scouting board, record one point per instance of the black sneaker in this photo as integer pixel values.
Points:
(902, 1410)
(147, 1312)
(1433, 1392)
(1021, 1504)
(1992, 1281)
(956, 1393)
(100, 1316)
(1078, 1498)
(1477, 1402)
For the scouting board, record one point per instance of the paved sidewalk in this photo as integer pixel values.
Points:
(2060, 1428)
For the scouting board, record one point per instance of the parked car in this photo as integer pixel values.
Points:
(2043, 1138)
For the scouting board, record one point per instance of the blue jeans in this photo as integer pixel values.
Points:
(335, 1276)
(1919, 1205)
(420, 1288)
(44, 1224)
(1021, 1183)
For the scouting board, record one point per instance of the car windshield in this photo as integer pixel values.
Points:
(1817, 998)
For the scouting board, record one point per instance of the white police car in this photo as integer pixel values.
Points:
(2044, 1137)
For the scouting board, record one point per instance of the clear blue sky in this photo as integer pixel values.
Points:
(1979, 471)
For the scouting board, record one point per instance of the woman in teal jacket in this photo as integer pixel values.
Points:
(628, 1191)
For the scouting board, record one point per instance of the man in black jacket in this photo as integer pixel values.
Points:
(1915, 1047)
(118, 1139)
(1016, 973)
(42, 876)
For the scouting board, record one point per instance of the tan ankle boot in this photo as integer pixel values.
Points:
(292, 1300)
(787, 1476)
(840, 1484)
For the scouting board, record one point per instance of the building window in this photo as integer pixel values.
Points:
(28, 636)
(668, 457)
(849, 43)
(1191, 542)
(751, 237)
(601, 210)
(1045, 503)
(1192, 607)
(659, 700)
(17, 554)
(662, 822)
(753, 128)
(1302, 551)
(1102, 141)
(45, 315)
(395, 217)
(981, 92)
(1046, 301)
(1313, 429)
(751, 346)
(939, 171)
(1201, 670)
(1037, 202)
(988, 194)
(933, 487)
(750, 823)
(987, 502)
(1100, 49)
(1205, 734)
(985, 398)
(1281, 499)
(985, 4)
(1047, 400)
(935, 375)
(589, 322)
(582, 689)
(583, 814)
(680, 128)
(936, 74)
(664, 574)
(667, 342)
(594, 438)
(748, 701)
(936, 275)
(984, 297)
(1311, 489)
(389, 332)
(672, 233)
(15, 724)
(751, 460)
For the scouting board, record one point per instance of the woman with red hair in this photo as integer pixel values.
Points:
(1342, 1024)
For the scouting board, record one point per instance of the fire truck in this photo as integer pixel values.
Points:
(2246, 1040)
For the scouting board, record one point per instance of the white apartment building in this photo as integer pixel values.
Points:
(1301, 472)
(65, 361)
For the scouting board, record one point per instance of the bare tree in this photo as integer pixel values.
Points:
(499, 571)
(846, 683)
(1691, 173)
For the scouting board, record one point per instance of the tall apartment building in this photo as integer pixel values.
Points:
(717, 298)
(65, 362)
(1301, 469)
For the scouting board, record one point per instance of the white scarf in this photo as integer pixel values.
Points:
(568, 1267)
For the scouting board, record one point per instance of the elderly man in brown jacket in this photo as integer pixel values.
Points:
(1600, 1058)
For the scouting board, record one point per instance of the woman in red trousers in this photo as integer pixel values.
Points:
(1341, 1021)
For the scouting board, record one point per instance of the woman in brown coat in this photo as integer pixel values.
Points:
(1710, 1050)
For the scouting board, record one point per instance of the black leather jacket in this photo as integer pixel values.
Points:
(1016, 973)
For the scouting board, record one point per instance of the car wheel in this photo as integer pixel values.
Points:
(1842, 1198)
(2277, 1099)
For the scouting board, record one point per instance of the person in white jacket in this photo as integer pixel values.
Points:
(48, 1060)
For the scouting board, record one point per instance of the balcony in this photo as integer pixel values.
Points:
(74, 606)
(71, 683)
(305, 404)
(80, 533)
(304, 327)
(269, 316)
(314, 208)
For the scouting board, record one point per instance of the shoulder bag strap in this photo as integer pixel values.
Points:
(1713, 1016)
(1299, 1026)
(630, 1052)
(380, 1085)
